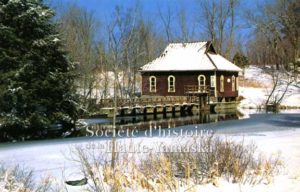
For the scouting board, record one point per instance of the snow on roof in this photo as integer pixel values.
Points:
(189, 57)
(223, 64)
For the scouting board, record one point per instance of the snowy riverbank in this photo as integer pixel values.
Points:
(256, 86)
(287, 143)
(271, 133)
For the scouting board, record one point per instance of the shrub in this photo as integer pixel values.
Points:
(20, 179)
(235, 161)
(169, 170)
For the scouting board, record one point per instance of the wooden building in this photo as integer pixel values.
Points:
(186, 68)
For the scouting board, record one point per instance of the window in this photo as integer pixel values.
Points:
(201, 83)
(171, 83)
(152, 82)
(237, 83)
(212, 81)
(222, 83)
(233, 83)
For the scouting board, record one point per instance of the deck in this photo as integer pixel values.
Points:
(146, 106)
(197, 98)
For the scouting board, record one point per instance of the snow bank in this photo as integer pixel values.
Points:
(257, 74)
(256, 97)
(285, 143)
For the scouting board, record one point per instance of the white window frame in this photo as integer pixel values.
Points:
(152, 88)
(171, 88)
(237, 83)
(201, 82)
(233, 83)
(212, 81)
(222, 83)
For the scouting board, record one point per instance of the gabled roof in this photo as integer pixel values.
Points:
(199, 56)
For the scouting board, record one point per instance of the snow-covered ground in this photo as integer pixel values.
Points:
(285, 143)
(256, 96)
(272, 133)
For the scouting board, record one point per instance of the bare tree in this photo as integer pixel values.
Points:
(232, 8)
(103, 68)
(276, 43)
(277, 23)
(281, 83)
(217, 16)
(121, 33)
(79, 28)
(209, 10)
(223, 15)
(185, 36)
(166, 18)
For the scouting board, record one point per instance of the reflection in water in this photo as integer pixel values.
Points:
(146, 122)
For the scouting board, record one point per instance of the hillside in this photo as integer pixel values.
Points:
(256, 84)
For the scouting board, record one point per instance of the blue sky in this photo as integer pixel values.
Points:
(103, 9)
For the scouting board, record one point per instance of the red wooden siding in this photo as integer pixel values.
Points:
(185, 78)
(227, 86)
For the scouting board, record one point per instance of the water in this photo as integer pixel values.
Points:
(53, 156)
(144, 123)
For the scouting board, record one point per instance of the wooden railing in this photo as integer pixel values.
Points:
(191, 89)
(142, 101)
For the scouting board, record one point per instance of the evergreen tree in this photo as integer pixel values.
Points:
(240, 60)
(36, 77)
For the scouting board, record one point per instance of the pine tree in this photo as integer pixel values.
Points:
(36, 77)
(240, 60)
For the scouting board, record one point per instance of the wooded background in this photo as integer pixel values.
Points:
(114, 48)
